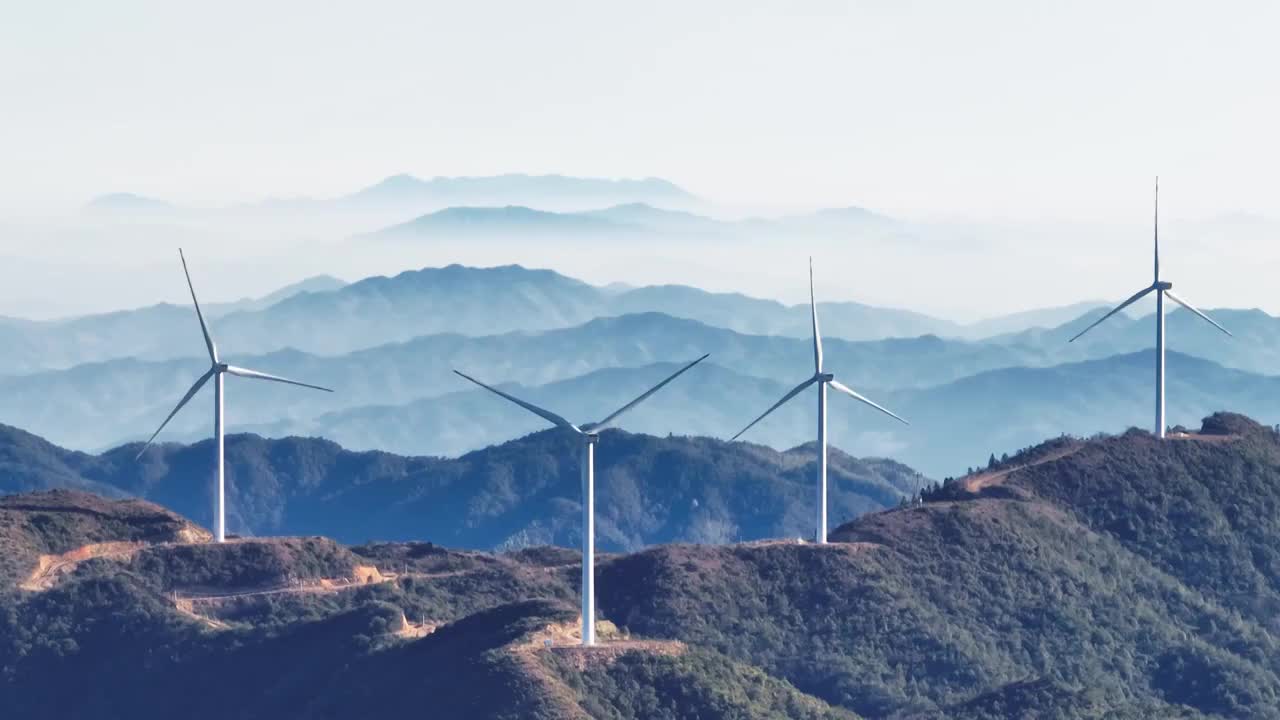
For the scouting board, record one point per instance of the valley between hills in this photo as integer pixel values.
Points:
(1116, 576)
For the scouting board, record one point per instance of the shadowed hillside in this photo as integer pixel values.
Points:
(524, 492)
(1115, 577)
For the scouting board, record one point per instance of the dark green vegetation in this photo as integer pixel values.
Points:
(522, 493)
(58, 522)
(1113, 578)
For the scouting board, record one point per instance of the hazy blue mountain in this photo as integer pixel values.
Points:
(960, 423)
(129, 204)
(513, 189)
(406, 196)
(1025, 320)
(847, 320)
(633, 222)
(379, 310)
(95, 405)
(315, 284)
(953, 426)
(364, 314)
(845, 216)
(657, 218)
(155, 331)
(510, 221)
(524, 492)
(1254, 345)
(486, 301)
(707, 400)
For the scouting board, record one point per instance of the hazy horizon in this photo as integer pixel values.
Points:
(1018, 140)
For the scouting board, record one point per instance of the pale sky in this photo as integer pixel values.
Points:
(997, 110)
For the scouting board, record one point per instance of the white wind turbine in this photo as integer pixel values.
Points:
(589, 434)
(822, 379)
(216, 370)
(1162, 289)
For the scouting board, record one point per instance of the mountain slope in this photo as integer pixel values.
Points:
(95, 405)
(511, 221)
(953, 425)
(936, 607)
(1254, 345)
(454, 299)
(520, 493)
(1052, 585)
(1213, 494)
(410, 195)
(960, 423)
(486, 301)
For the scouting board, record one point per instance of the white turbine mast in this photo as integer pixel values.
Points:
(589, 433)
(216, 370)
(1162, 289)
(822, 379)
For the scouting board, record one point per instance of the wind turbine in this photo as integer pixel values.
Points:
(822, 379)
(216, 370)
(589, 434)
(1162, 289)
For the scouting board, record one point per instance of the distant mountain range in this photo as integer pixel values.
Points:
(405, 196)
(325, 316)
(521, 493)
(954, 425)
(99, 404)
(510, 220)
(630, 222)
(1254, 345)
(961, 397)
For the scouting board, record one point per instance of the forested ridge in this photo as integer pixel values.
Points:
(1109, 577)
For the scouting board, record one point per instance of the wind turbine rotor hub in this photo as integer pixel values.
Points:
(1163, 285)
(825, 377)
(220, 367)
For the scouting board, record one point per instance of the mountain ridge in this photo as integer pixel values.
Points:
(521, 492)
(1016, 599)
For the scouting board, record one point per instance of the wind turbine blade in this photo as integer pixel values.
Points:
(204, 328)
(795, 391)
(1156, 228)
(247, 373)
(185, 399)
(547, 415)
(862, 398)
(817, 336)
(1136, 297)
(1187, 305)
(605, 422)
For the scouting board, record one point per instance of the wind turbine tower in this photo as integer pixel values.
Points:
(1162, 289)
(217, 369)
(822, 379)
(589, 435)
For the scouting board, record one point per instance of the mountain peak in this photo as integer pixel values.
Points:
(124, 202)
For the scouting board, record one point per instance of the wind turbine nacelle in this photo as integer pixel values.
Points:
(1163, 285)
(825, 377)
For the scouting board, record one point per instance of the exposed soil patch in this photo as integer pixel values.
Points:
(1202, 437)
(49, 568)
(608, 652)
(977, 483)
(565, 640)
